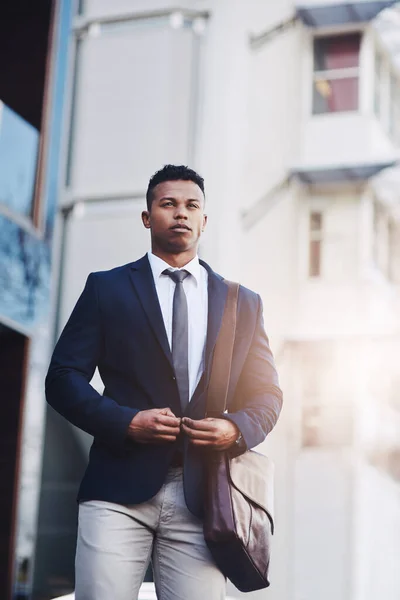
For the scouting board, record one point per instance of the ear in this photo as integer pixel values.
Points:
(146, 219)
(204, 222)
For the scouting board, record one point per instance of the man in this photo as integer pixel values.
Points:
(150, 327)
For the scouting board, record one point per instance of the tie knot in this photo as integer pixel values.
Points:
(177, 276)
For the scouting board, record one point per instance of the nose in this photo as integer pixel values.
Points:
(180, 213)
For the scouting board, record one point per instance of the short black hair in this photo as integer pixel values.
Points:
(172, 173)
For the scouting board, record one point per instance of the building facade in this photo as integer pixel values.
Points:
(291, 112)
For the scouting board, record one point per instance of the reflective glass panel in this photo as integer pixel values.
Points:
(335, 95)
(24, 274)
(19, 145)
(336, 52)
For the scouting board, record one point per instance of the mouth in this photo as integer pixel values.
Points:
(180, 227)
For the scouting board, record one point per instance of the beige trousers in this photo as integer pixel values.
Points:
(116, 543)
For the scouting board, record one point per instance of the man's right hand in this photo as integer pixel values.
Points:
(154, 426)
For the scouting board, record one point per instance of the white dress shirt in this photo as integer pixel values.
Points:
(196, 290)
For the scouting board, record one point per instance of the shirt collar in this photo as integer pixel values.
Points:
(158, 265)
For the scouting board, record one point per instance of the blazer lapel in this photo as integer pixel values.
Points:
(143, 282)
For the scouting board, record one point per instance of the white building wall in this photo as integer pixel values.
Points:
(323, 525)
(111, 235)
(273, 100)
(222, 133)
(376, 534)
(269, 265)
(365, 141)
(133, 107)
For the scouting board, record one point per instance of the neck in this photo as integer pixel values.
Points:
(176, 260)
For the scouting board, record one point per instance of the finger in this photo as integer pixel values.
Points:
(168, 421)
(167, 411)
(202, 424)
(199, 434)
(162, 438)
(161, 430)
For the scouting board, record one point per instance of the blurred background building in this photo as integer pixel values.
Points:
(291, 112)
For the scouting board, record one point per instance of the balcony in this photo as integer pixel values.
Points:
(341, 128)
(320, 13)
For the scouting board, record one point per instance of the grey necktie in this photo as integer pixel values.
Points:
(180, 334)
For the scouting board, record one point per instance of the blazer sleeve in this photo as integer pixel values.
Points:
(72, 366)
(258, 397)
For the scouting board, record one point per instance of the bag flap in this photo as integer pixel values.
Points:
(252, 474)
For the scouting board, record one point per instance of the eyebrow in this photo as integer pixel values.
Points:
(174, 199)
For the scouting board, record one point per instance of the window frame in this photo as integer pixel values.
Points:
(384, 239)
(379, 82)
(386, 92)
(394, 106)
(315, 239)
(338, 73)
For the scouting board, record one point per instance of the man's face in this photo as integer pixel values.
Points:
(176, 218)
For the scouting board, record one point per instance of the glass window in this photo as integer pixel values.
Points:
(394, 108)
(392, 258)
(383, 239)
(19, 144)
(315, 244)
(336, 73)
(336, 52)
(335, 95)
(378, 84)
(394, 252)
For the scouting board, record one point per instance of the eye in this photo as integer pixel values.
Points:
(167, 203)
(193, 205)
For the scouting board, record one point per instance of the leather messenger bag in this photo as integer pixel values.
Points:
(238, 521)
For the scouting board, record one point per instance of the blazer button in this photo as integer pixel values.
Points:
(173, 378)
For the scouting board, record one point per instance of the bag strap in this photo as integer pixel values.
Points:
(222, 360)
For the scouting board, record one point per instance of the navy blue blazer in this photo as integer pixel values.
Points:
(118, 327)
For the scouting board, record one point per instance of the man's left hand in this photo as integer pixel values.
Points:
(215, 434)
